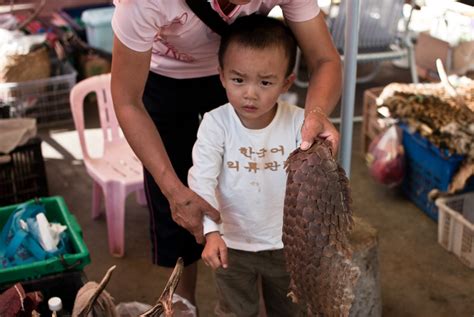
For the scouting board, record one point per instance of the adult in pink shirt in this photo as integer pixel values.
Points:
(164, 77)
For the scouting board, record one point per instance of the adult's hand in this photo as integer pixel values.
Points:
(317, 125)
(188, 210)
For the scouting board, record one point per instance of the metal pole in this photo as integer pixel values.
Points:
(351, 39)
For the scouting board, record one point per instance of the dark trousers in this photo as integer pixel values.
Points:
(176, 106)
(237, 285)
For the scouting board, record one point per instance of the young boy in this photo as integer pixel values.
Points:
(238, 167)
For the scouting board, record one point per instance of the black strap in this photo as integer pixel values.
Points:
(203, 9)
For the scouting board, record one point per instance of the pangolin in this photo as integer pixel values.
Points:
(317, 222)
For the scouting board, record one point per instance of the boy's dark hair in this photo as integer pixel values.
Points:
(259, 31)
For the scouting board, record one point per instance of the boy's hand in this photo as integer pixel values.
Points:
(215, 251)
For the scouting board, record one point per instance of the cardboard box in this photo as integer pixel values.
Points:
(457, 59)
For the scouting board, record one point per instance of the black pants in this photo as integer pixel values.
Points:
(175, 105)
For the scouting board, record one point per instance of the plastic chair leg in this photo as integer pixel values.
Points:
(115, 196)
(97, 195)
(140, 196)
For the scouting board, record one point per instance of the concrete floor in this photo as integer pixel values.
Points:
(418, 277)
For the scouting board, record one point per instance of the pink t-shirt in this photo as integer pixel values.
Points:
(182, 45)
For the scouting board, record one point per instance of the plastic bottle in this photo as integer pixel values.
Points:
(55, 306)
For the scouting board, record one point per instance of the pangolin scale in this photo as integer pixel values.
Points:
(317, 221)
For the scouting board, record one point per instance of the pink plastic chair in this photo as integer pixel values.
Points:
(118, 172)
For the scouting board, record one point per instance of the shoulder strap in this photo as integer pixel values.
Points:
(211, 18)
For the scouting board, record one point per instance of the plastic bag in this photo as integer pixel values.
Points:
(131, 309)
(181, 308)
(20, 237)
(386, 157)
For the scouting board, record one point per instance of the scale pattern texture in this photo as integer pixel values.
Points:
(317, 223)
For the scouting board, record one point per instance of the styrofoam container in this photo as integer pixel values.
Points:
(456, 226)
(98, 27)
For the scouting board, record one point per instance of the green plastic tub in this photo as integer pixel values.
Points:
(56, 211)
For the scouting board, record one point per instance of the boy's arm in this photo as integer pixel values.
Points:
(208, 153)
(209, 225)
(207, 156)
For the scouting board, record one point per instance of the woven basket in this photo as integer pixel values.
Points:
(20, 68)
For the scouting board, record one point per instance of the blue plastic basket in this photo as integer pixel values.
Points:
(427, 168)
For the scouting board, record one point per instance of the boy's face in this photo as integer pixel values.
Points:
(254, 79)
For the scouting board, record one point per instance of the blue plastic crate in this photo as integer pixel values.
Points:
(427, 168)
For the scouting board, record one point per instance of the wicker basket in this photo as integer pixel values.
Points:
(25, 67)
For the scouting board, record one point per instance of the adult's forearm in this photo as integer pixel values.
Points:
(146, 142)
(130, 70)
(323, 62)
(324, 88)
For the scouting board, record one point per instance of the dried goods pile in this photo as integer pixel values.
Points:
(446, 126)
(464, 89)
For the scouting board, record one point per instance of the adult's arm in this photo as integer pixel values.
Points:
(324, 66)
(129, 73)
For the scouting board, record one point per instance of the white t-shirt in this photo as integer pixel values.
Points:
(241, 173)
(182, 45)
